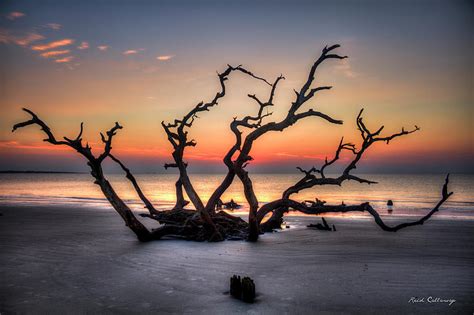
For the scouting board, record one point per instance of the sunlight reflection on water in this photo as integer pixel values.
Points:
(411, 193)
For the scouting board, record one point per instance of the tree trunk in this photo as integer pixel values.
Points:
(275, 221)
(125, 212)
(180, 201)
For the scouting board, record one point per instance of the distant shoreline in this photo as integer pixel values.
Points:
(39, 172)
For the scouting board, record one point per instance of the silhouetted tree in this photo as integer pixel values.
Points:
(204, 222)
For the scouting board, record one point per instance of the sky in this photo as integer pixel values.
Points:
(142, 62)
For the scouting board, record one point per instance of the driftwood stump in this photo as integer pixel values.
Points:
(236, 286)
(242, 289)
(248, 290)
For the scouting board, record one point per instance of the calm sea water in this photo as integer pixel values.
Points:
(412, 194)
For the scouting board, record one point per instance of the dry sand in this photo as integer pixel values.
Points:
(60, 260)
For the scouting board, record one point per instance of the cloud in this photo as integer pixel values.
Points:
(165, 57)
(54, 26)
(286, 154)
(23, 40)
(130, 52)
(300, 156)
(65, 59)
(204, 157)
(133, 51)
(83, 45)
(345, 67)
(55, 44)
(54, 53)
(15, 15)
(28, 39)
(11, 144)
(5, 37)
(103, 47)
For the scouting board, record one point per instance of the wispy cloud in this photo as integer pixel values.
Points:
(345, 68)
(83, 45)
(72, 66)
(15, 15)
(46, 50)
(65, 59)
(286, 154)
(204, 157)
(55, 53)
(22, 40)
(4, 36)
(133, 51)
(12, 145)
(55, 44)
(165, 57)
(54, 26)
(28, 39)
(300, 156)
(103, 47)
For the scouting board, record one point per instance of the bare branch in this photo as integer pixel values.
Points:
(243, 70)
(444, 196)
(314, 91)
(302, 96)
(35, 120)
(79, 136)
(312, 112)
(134, 182)
(370, 138)
(291, 118)
(321, 208)
(308, 173)
(395, 135)
(95, 165)
(342, 146)
(170, 165)
(108, 141)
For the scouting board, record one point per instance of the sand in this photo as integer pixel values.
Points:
(76, 260)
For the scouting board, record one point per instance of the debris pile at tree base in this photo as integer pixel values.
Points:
(188, 224)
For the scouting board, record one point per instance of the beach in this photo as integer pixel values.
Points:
(80, 259)
(347, 126)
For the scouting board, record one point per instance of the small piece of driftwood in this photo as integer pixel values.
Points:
(322, 227)
(231, 205)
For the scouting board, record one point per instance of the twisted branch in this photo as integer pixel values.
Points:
(319, 208)
(310, 179)
(95, 164)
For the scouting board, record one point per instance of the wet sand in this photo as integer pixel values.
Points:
(76, 260)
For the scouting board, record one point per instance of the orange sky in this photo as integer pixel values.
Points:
(401, 75)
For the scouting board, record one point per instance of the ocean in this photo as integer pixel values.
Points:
(412, 194)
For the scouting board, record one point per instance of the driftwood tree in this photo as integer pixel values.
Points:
(204, 222)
